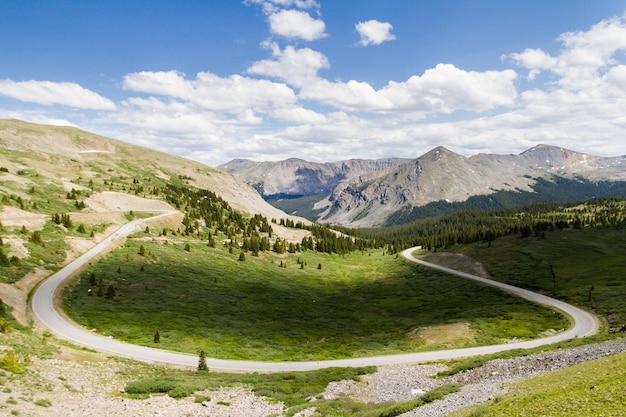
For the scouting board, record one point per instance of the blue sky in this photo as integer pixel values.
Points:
(321, 80)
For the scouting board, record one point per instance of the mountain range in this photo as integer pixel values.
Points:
(354, 193)
(369, 193)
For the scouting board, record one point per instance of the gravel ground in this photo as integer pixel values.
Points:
(90, 387)
(401, 383)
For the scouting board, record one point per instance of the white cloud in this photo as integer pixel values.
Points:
(374, 32)
(443, 89)
(584, 56)
(35, 117)
(273, 6)
(50, 93)
(295, 24)
(284, 106)
(446, 89)
(297, 67)
(232, 94)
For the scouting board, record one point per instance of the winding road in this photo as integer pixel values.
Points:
(43, 307)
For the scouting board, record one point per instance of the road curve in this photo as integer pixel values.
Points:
(43, 308)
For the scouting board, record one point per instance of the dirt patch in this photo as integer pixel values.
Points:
(445, 334)
(77, 247)
(83, 384)
(17, 246)
(14, 217)
(31, 279)
(17, 300)
(457, 261)
(16, 295)
(109, 201)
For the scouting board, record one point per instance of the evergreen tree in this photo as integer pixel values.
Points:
(110, 294)
(202, 366)
(4, 260)
(36, 237)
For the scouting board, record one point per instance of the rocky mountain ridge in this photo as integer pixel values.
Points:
(297, 177)
(365, 195)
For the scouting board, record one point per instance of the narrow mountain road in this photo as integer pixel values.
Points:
(43, 307)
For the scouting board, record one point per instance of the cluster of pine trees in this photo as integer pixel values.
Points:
(476, 226)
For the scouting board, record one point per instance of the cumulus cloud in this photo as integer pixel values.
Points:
(583, 57)
(443, 89)
(233, 94)
(374, 32)
(284, 106)
(297, 67)
(296, 24)
(50, 93)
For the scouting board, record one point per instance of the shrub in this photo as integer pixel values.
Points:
(149, 386)
(181, 391)
(43, 403)
(11, 363)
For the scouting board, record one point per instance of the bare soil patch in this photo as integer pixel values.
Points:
(109, 201)
(457, 261)
(444, 334)
(17, 246)
(15, 217)
(84, 384)
(16, 295)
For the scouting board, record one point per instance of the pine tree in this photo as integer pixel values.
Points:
(110, 294)
(202, 366)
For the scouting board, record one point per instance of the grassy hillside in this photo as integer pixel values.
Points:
(316, 306)
(594, 388)
(583, 266)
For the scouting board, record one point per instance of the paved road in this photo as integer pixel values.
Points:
(43, 308)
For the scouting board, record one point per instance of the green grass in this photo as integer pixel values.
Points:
(595, 388)
(588, 265)
(49, 254)
(357, 305)
(291, 388)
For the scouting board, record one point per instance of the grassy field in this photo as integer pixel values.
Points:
(594, 388)
(588, 266)
(361, 304)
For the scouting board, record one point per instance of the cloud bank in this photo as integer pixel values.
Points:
(282, 106)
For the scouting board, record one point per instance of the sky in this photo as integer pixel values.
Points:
(321, 80)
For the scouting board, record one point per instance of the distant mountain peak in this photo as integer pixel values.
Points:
(438, 153)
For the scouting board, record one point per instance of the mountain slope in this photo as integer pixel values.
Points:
(444, 175)
(69, 157)
(296, 177)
